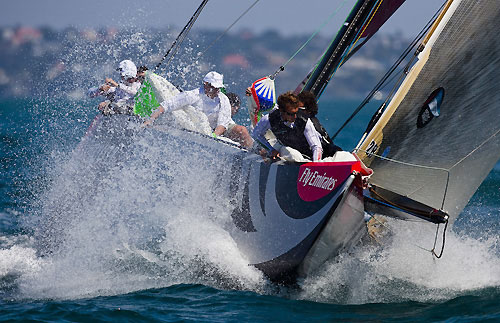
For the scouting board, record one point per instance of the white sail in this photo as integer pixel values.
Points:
(440, 135)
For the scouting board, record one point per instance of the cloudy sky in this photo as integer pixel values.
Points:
(287, 16)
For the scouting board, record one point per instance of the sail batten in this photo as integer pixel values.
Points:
(444, 116)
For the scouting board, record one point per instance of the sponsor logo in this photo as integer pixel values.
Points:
(313, 178)
(316, 180)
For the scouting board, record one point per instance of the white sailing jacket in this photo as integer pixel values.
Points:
(217, 110)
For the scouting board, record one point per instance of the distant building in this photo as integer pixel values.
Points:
(235, 60)
(26, 34)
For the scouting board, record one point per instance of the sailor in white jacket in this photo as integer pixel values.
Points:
(208, 98)
(120, 96)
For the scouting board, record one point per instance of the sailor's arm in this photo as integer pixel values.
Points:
(154, 116)
(104, 89)
(176, 102)
(94, 92)
(111, 82)
(224, 115)
(259, 135)
(313, 140)
(219, 130)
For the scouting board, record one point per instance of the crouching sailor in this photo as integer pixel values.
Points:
(119, 96)
(291, 130)
(208, 98)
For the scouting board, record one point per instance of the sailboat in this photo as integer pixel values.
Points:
(430, 147)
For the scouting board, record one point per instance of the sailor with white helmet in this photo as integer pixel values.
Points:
(120, 95)
(208, 98)
(127, 89)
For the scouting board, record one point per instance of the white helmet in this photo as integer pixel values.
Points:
(127, 69)
(215, 79)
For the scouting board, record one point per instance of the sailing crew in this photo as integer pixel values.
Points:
(208, 98)
(119, 96)
(290, 129)
(309, 110)
(235, 131)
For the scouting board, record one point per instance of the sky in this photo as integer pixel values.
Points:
(287, 16)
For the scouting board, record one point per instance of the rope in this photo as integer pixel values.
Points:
(475, 149)
(182, 34)
(435, 239)
(228, 28)
(447, 171)
(330, 17)
(432, 251)
(404, 163)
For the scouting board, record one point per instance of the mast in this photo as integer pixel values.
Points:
(328, 64)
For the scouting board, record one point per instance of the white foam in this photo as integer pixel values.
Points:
(147, 223)
(402, 270)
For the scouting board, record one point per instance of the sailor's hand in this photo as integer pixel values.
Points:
(105, 87)
(274, 154)
(111, 82)
(147, 123)
(248, 91)
(103, 105)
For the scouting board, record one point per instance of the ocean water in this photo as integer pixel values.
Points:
(129, 255)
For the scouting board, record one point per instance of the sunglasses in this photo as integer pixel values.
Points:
(210, 86)
(289, 113)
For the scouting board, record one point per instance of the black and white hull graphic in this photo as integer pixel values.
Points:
(286, 218)
(278, 224)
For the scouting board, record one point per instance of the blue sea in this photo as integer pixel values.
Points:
(106, 270)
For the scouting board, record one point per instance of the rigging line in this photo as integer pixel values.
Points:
(176, 49)
(379, 85)
(405, 163)
(447, 171)
(333, 14)
(189, 24)
(444, 240)
(435, 168)
(390, 71)
(184, 36)
(475, 149)
(228, 28)
(400, 80)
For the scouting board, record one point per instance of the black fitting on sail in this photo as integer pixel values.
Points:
(438, 216)
(333, 55)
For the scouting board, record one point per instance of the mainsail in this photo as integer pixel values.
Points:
(440, 137)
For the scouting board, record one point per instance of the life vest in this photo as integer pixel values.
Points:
(291, 137)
